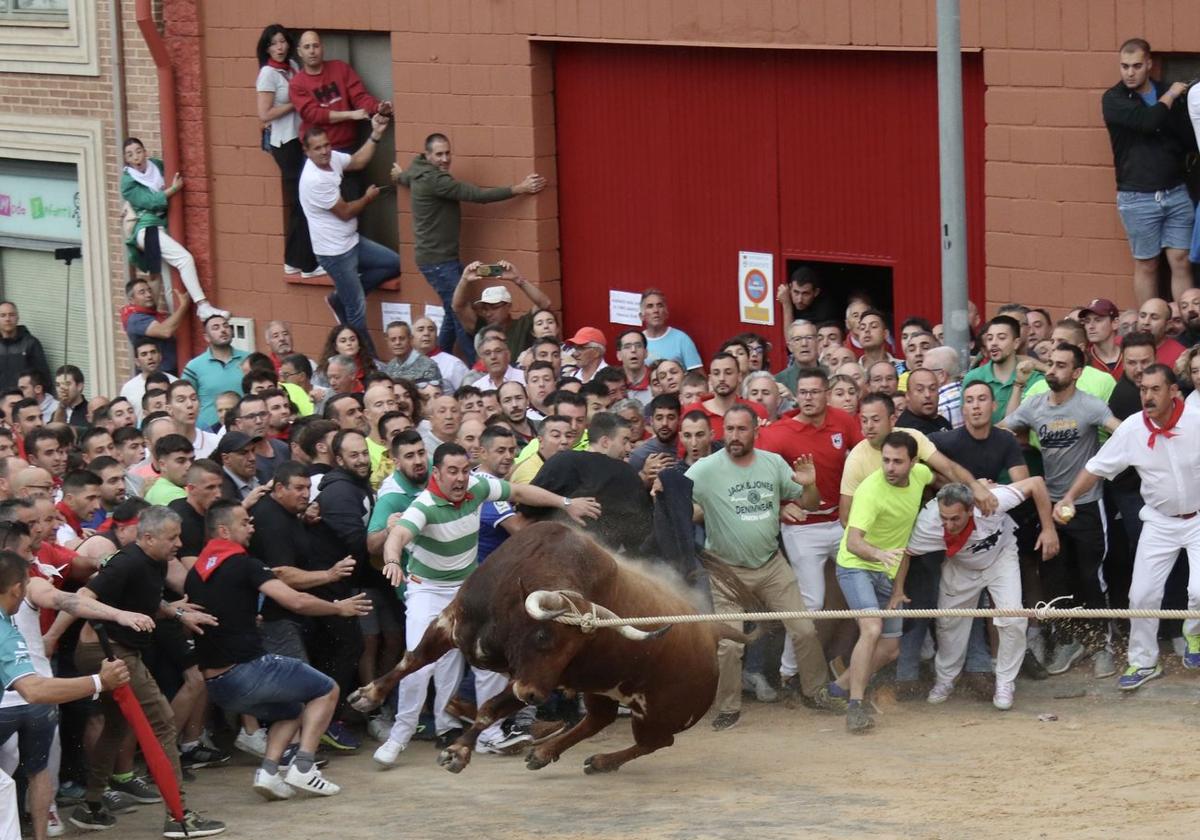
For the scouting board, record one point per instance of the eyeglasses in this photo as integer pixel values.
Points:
(810, 393)
(258, 415)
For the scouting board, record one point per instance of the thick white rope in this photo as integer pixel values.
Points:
(588, 622)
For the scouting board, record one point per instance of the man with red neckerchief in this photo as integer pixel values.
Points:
(1161, 442)
(141, 319)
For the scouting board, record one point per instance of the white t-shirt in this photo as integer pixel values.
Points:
(320, 189)
(135, 389)
(991, 538)
(270, 80)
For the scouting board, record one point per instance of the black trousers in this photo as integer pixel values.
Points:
(334, 647)
(297, 248)
(1076, 571)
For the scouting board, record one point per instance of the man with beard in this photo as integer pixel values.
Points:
(1000, 372)
(217, 369)
(1160, 443)
(1068, 423)
(740, 494)
(921, 410)
(724, 378)
(514, 406)
(661, 450)
(1189, 311)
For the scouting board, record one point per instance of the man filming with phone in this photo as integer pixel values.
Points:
(437, 217)
(493, 307)
(356, 264)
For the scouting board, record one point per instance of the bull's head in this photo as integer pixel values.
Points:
(547, 605)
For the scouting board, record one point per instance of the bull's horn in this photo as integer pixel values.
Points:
(545, 605)
(629, 631)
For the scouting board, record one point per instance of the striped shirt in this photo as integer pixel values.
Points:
(446, 537)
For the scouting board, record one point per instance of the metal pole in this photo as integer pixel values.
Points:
(950, 168)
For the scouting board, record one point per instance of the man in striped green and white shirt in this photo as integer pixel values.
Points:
(440, 529)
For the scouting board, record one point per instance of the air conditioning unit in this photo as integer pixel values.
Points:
(243, 334)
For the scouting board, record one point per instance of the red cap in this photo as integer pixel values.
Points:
(1102, 307)
(588, 335)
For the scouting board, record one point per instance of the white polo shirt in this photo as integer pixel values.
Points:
(320, 189)
(1170, 472)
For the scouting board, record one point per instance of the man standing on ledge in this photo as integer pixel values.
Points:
(437, 218)
(1151, 195)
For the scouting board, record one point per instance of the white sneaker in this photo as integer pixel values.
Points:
(290, 269)
(255, 744)
(205, 310)
(940, 692)
(1003, 698)
(316, 272)
(756, 683)
(54, 826)
(271, 787)
(388, 753)
(311, 782)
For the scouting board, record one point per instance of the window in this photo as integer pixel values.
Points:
(35, 11)
(49, 36)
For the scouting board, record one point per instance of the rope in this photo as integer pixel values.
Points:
(588, 622)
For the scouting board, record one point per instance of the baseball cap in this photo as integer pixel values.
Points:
(588, 335)
(495, 294)
(1102, 307)
(235, 442)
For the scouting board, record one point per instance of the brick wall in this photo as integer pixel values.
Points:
(469, 67)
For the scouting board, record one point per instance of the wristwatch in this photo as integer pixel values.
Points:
(179, 612)
(566, 502)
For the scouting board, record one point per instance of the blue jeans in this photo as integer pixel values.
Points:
(864, 589)
(355, 273)
(34, 724)
(1156, 220)
(443, 277)
(269, 688)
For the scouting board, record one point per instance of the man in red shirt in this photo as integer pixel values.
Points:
(1099, 319)
(827, 434)
(331, 95)
(725, 379)
(1152, 318)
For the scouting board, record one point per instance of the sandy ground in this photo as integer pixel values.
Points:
(1111, 765)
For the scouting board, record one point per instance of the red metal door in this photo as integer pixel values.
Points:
(672, 159)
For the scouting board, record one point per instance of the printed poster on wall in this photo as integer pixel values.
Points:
(435, 314)
(624, 308)
(393, 311)
(756, 272)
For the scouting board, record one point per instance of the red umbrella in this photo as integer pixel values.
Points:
(157, 762)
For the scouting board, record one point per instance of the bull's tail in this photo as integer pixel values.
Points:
(723, 578)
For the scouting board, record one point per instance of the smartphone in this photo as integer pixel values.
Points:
(490, 270)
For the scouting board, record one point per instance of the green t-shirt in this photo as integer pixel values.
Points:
(164, 492)
(395, 495)
(1001, 390)
(741, 505)
(14, 654)
(886, 514)
(446, 536)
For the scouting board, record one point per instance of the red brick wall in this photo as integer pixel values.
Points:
(468, 67)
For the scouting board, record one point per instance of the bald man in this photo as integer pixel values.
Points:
(1153, 316)
(9, 467)
(32, 483)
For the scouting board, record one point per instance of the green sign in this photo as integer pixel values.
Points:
(39, 208)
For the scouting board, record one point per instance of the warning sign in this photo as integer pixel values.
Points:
(756, 273)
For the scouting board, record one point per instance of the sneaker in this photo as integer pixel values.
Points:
(338, 737)
(204, 311)
(757, 685)
(1191, 656)
(201, 756)
(254, 743)
(138, 789)
(510, 742)
(1032, 668)
(311, 782)
(70, 793)
(1003, 698)
(1065, 656)
(858, 719)
(462, 710)
(271, 787)
(54, 824)
(290, 269)
(827, 700)
(1135, 677)
(91, 817)
(118, 803)
(940, 692)
(316, 272)
(448, 737)
(192, 825)
(335, 306)
(725, 721)
(908, 690)
(1103, 664)
(388, 753)
(379, 727)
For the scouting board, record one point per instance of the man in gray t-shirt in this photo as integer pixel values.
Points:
(1068, 424)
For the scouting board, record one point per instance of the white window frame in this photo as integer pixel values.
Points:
(79, 142)
(44, 46)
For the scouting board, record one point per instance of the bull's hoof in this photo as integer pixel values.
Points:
(591, 768)
(536, 761)
(454, 759)
(363, 699)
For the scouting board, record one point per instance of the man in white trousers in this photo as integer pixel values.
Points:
(442, 528)
(1161, 442)
(981, 553)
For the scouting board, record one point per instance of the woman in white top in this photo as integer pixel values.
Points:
(281, 137)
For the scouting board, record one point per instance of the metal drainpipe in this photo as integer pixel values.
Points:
(170, 145)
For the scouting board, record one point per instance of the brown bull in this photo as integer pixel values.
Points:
(501, 620)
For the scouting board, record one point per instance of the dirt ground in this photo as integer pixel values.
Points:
(1109, 765)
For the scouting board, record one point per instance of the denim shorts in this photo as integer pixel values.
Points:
(1156, 220)
(867, 590)
(34, 725)
(269, 688)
